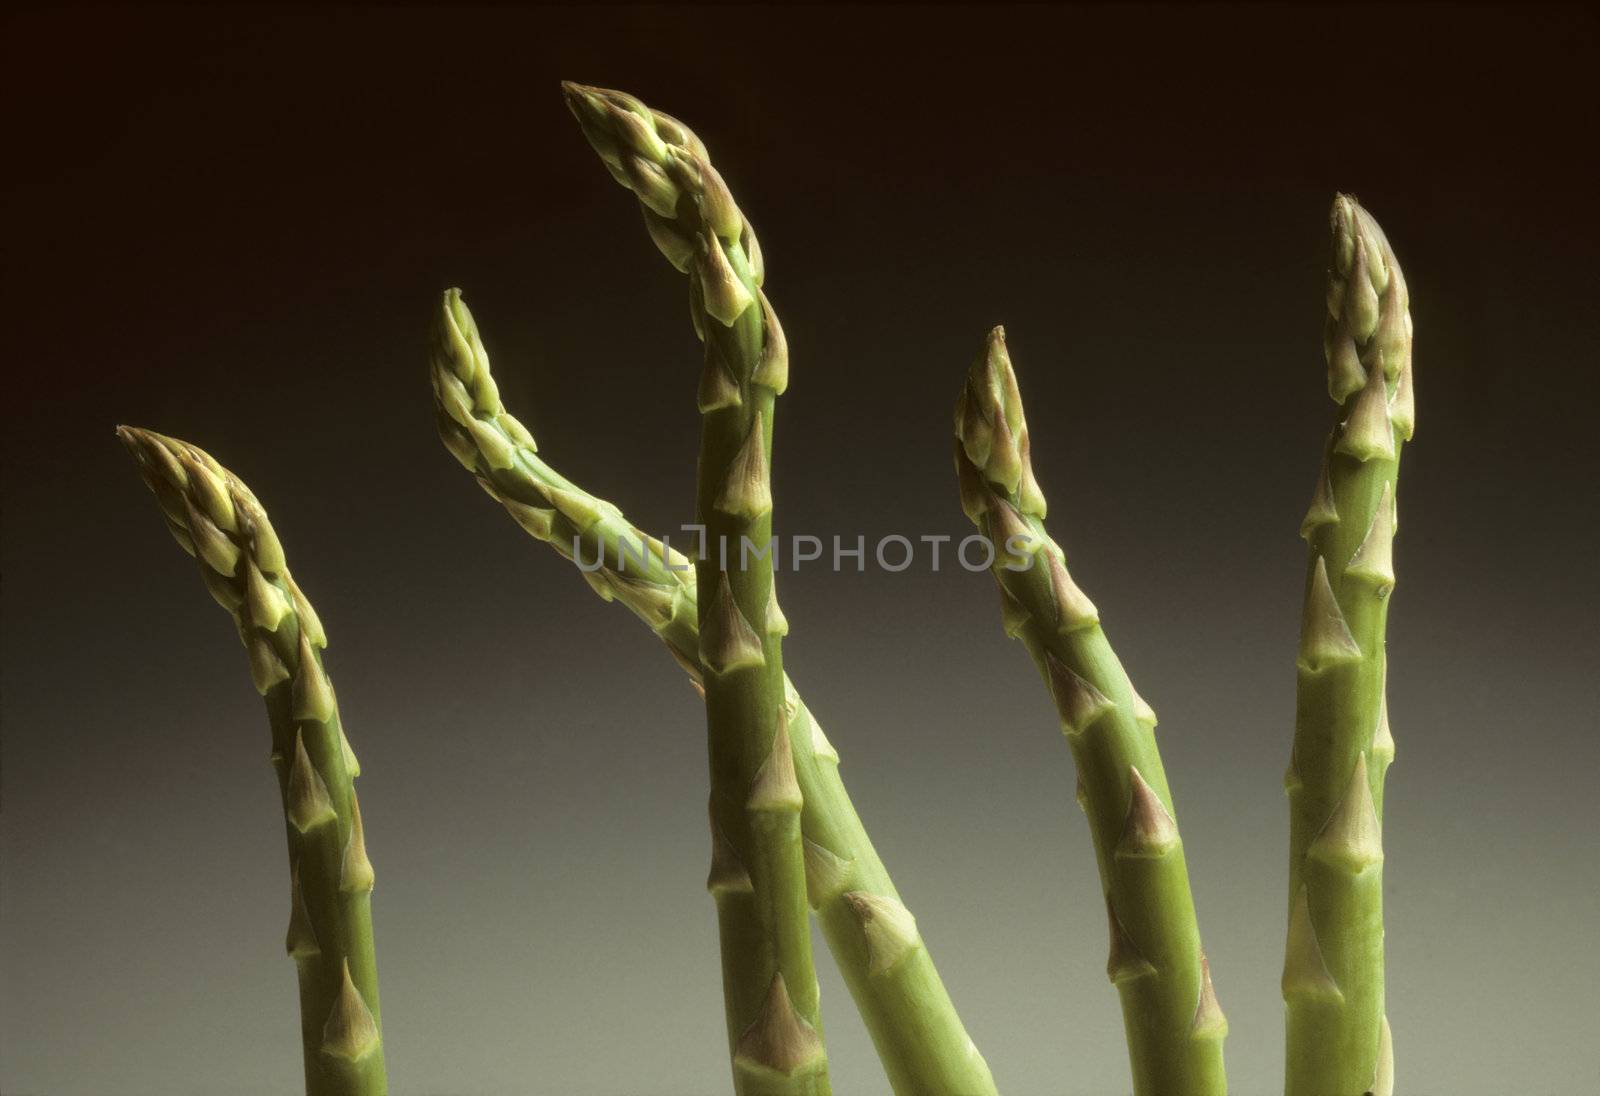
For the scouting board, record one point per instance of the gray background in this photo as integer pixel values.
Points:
(231, 227)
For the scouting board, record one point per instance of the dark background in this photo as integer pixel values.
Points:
(231, 226)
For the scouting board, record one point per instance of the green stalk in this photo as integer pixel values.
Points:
(1174, 1025)
(215, 518)
(769, 985)
(1338, 1041)
(891, 976)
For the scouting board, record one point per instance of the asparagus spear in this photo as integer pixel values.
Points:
(891, 976)
(1175, 1027)
(216, 518)
(1338, 1040)
(769, 984)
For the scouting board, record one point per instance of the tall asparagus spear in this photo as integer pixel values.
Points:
(920, 1039)
(769, 985)
(216, 518)
(1175, 1027)
(1338, 1041)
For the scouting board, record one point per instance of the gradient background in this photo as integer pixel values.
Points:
(232, 227)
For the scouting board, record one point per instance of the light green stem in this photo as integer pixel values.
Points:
(874, 939)
(919, 1037)
(216, 519)
(1174, 1025)
(1338, 1040)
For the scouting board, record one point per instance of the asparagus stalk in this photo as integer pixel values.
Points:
(769, 984)
(217, 519)
(1175, 1027)
(891, 976)
(1338, 1041)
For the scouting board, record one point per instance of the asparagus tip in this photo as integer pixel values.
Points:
(140, 443)
(989, 422)
(579, 98)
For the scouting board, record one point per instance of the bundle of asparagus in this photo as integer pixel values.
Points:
(785, 837)
(908, 1012)
(874, 939)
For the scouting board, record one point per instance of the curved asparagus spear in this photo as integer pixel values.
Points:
(1337, 1037)
(215, 518)
(920, 1039)
(1175, 1027)
(768, 981)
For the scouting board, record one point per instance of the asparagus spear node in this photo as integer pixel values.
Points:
(351, 1033)
(218, 520)
(1150, 830)
(779, 1045)
(889, 929)
(1333, 984)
